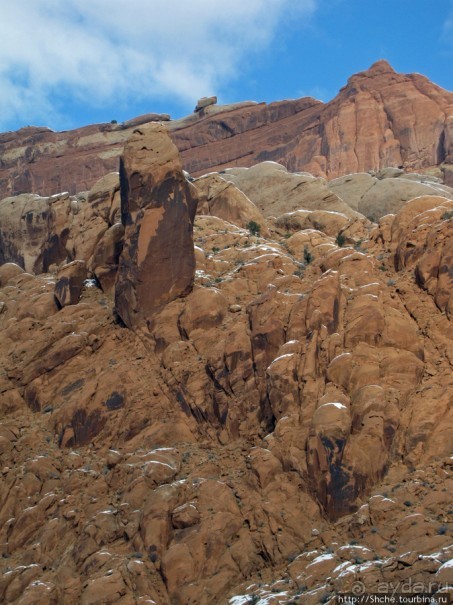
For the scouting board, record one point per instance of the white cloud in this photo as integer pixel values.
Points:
(447, 33)
(96, 50)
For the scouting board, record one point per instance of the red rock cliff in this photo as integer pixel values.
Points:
(379, 119)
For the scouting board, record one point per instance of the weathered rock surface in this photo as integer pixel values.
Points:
(326, 221)
(39, 233)
(69, 284)
(379, 119)
(158, 206)
(377, 196)
(274, 190)
(278, 433)
(220, 198)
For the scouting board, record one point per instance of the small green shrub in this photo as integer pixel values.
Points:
(340, 240)
(447, 215)
(308, 256)
(407, 503)
(254, 228)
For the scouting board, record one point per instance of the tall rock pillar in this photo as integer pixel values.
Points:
(158, 207)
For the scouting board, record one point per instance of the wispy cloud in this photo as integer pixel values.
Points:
(447, 33)
(98, 50)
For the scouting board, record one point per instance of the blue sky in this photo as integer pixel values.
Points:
(67, 63)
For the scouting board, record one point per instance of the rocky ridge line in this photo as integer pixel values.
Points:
(379, 119)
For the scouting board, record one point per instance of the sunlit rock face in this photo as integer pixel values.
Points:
(158, 207)
(381, 118)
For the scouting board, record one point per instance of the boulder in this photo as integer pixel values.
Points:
(8, 271)
(205, 102)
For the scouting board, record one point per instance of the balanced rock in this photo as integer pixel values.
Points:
(158, 206)
(205, 102)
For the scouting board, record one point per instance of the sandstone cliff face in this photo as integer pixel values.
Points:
(379, 119)
(38, 233)
(280, 432)
(158, 207)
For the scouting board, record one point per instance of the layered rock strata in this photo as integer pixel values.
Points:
(380, 118)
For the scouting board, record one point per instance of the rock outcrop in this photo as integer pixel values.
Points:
(221, 198)
(385, 192)
(70, 281)
(379, 119)
(275, 190)
(158, 206)
(44, 233)
(280, 432)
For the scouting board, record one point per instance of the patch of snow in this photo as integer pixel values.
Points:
(270, 599)
(239, 600)
(341, 567)
(281, 357)
(158, 462)
(327, 557)
(337, 404)
(348, 570)
(90, 283)
(341, 356)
